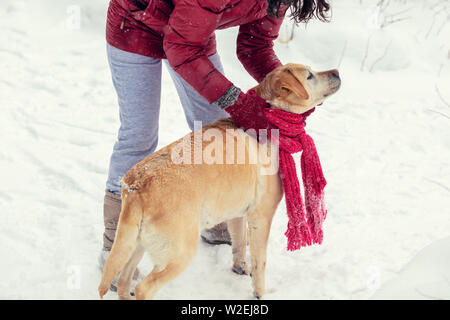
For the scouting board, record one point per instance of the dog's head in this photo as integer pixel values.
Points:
(296, 88)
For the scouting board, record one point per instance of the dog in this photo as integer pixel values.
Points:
(166, 202)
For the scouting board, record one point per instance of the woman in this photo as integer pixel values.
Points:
(142, 33)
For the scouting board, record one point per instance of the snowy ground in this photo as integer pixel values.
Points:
(383, 140)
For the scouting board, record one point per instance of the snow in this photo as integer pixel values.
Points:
(383, 140)
(427, 276)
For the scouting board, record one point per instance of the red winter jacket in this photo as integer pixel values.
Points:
(183, 32)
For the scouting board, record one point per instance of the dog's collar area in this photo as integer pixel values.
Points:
(274, 107)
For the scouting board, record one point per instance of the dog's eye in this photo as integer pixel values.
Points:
(310, 76)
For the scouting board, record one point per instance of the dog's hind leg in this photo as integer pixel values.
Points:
(124, 244)
(183, 246)
(126, 275)
(238, 232)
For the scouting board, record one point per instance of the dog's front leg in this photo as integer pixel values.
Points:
(259, 222)
(237, 228)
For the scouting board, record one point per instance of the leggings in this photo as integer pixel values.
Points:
(137, 80)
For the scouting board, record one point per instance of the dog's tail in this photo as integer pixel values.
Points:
(125, 241)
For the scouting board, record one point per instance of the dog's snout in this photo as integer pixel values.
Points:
(335, 73)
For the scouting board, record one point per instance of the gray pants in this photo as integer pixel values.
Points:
(137, 80)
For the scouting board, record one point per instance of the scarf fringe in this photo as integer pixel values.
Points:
(298, 236)
(308, 232)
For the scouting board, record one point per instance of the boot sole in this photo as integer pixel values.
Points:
(216, 242)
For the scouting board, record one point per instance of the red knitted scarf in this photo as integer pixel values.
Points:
(305, 218)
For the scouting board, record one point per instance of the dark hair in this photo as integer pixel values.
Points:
(301, 10)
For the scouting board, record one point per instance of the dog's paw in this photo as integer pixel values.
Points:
(126, 297)
(102, 290)
(257, 295)
(241, 269)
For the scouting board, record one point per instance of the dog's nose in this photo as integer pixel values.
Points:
(335, 73)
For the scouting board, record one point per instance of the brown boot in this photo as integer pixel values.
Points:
(217, 235)
(111, 211)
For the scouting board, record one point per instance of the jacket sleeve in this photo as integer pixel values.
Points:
(190, 27)
(255, 45)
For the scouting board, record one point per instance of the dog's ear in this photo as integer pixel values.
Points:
(279, 84)
(297, 89)
(288, 83)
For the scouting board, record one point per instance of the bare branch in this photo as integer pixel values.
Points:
(432, 25)
(440, 96)
(438, 112)
(438, 184)
(342, 54)
(391, 21)
(363, 62)
(444, 23)
(426, 295)
(382, 57)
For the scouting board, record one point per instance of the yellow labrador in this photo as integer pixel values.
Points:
(198, 182)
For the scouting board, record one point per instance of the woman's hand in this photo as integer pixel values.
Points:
(247, 112)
